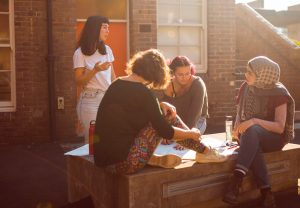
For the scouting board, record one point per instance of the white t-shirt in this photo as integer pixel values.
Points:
(102, 79)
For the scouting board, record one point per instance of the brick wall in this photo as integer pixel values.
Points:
(31, 116)
(142, 31)
(230, 41)
(221, 58)
(221, 48)
(30, 122)
(256, 37)
(64, 43)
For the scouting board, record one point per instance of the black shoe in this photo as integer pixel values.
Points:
(268, 200)
(232, 192)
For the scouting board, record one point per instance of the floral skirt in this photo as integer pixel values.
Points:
(144, 145)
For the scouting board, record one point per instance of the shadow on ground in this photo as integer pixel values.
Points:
(34, 176)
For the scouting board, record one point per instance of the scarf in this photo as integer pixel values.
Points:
(253, 100)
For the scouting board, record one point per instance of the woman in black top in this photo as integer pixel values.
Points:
(130, 121)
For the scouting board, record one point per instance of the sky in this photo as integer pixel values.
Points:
(275, 4)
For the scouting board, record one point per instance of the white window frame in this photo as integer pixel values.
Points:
(10, 106)
(202, 27)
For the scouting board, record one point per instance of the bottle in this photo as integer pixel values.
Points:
(91, 137)
(228, 129)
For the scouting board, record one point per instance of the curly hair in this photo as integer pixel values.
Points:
(151, 66)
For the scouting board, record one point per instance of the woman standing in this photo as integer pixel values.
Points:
(130, 121)
(93, 69)
(264, 123)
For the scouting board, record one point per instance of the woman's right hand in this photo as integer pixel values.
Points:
(182, 134)
(168, 110)
(102, 66)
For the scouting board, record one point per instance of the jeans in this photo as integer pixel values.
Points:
(253, 143)
(201, 125)
(87, 108)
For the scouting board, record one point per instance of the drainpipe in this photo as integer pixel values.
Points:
(51, 74)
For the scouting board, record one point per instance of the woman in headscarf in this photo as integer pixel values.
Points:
(264, 123)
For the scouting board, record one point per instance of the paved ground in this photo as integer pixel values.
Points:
(34, 176)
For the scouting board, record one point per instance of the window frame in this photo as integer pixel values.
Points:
(10, 106)
(202, 28)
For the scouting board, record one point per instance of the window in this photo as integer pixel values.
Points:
(181, 30)
(7, 54)
(113, 9)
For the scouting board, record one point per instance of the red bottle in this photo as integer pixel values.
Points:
(91, 137)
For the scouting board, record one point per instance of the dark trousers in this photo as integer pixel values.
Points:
(253, 143)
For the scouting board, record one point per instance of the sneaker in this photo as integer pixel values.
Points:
(164, 161)
(212, 156)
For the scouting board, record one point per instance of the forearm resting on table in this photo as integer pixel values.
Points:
(182, 134)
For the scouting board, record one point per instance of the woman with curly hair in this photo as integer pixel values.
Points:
(130, 121)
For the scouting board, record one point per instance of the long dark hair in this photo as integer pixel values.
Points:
(89, 38)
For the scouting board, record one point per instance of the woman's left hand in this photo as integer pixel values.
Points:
(242, 127)
(168, 142)
(168, 110)
(179, 147)
(102, 66)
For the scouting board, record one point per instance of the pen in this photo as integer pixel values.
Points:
(233, 146)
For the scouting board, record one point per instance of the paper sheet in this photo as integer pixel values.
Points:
(188, 154)
(81, 151)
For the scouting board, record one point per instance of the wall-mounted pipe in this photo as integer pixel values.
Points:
(51, 74)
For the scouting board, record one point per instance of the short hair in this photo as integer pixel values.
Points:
(180, 61)
(89, 37)
(151, 66)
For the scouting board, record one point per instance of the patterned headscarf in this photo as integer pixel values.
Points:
(267, 72)
(253, 101)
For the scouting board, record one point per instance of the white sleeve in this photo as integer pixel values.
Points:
(110, 54)
(78, 59)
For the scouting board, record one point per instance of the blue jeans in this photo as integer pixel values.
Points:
(253, 143)
(201, 125)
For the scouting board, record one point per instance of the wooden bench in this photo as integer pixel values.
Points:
(188, 185)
